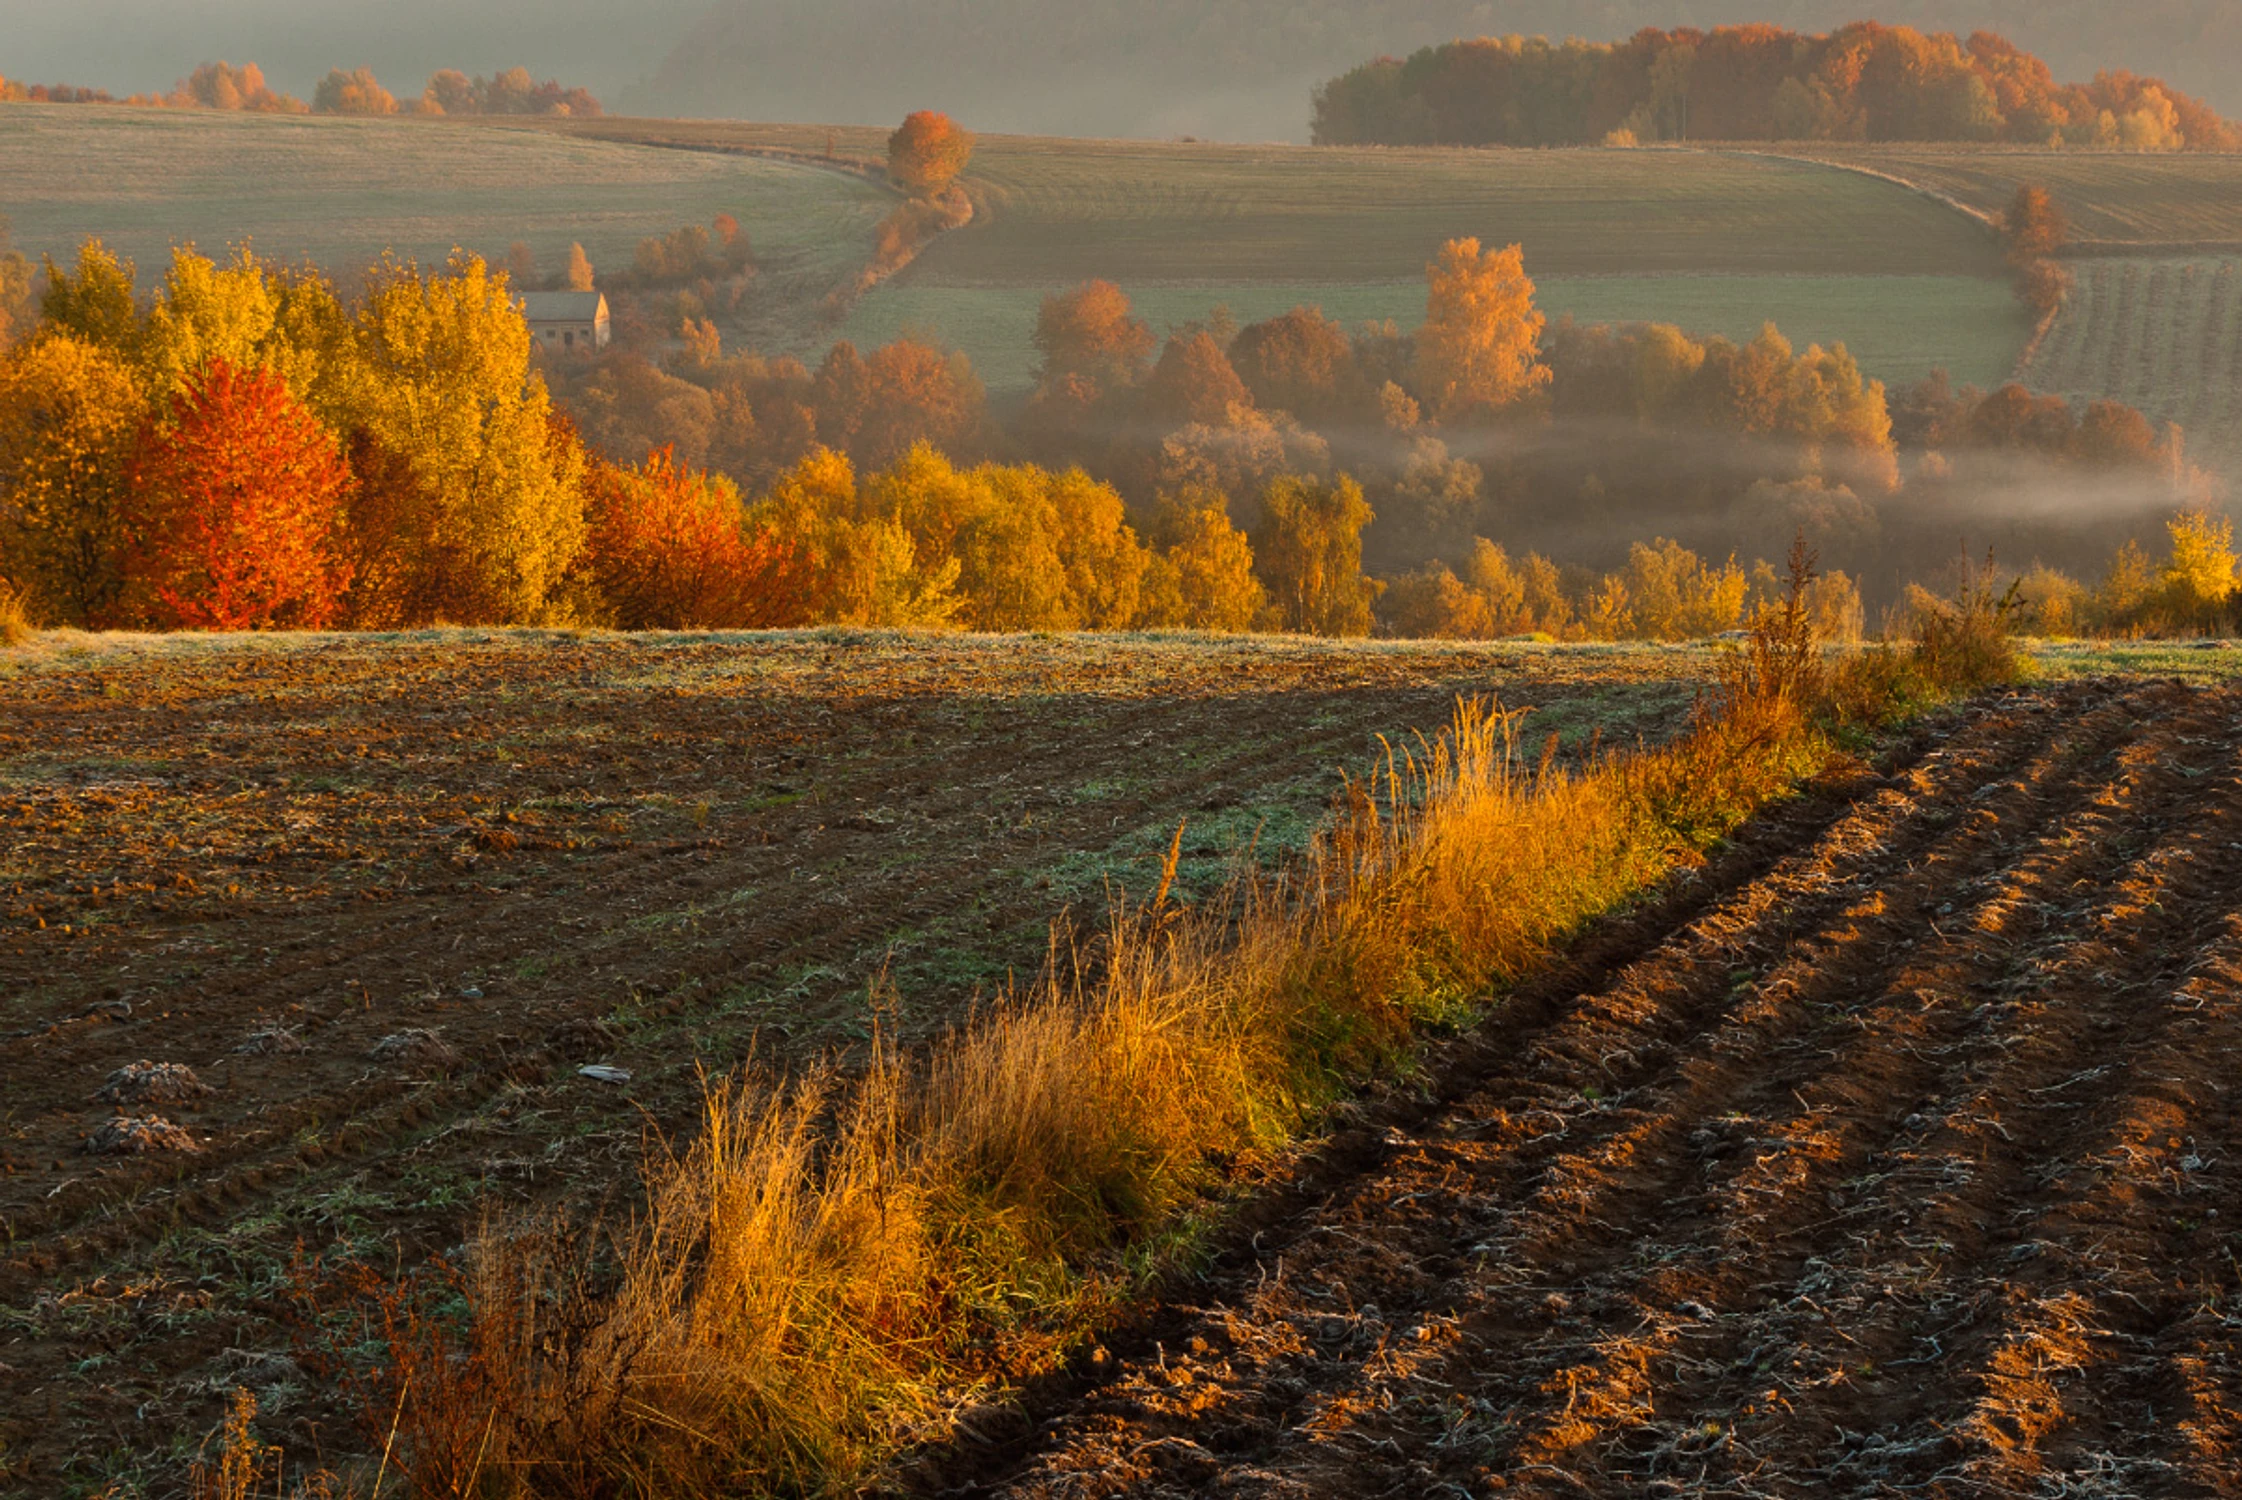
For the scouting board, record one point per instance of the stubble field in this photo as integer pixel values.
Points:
(384, 896)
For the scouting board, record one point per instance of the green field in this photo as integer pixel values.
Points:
(339, 192)
(2164, 335)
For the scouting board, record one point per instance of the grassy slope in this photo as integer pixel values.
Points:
(340, 192)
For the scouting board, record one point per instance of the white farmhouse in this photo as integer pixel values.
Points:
(570, 321)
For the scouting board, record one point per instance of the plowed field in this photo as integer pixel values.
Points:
(1898, 1153)
(384, 896)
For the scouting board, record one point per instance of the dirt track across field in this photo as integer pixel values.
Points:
(1896, 1154)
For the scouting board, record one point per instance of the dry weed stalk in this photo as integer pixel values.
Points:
(829, 1262)
(16, 625)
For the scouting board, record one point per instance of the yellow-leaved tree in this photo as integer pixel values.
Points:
(239, 312)
(1308, 552)
(865, 569)
(94, 301)
(69, 411)
(2197, 588)
(1479, 351)
(476, 490)
(1201, 577)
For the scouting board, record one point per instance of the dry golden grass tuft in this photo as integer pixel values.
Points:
(16, 625)
(832, 1264)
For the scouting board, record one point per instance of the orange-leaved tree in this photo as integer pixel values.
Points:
(1480, 348)
(671, 548)
(354, 93)
(2034, 226)
(237, 502)
(926, 152)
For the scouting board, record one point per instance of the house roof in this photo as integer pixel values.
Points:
(563, 307)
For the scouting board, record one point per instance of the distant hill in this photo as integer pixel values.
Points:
(1242, 69)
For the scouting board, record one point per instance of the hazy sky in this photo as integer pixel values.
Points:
(1232, 69)
(131, 46)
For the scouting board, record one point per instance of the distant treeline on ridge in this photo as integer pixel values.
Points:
(1863, 82)
(225, 86)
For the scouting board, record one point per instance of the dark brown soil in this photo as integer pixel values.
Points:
(1897, 1154)
(385, 897)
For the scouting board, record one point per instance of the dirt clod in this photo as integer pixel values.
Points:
(416, 1046)
(131, 1135)
(153, 1083)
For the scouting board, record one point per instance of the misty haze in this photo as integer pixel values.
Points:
(931, 747)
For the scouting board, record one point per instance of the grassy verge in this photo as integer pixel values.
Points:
(830, 1262)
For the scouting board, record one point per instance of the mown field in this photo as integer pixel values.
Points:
(2164, 335)
(339, 192)
(384, 895)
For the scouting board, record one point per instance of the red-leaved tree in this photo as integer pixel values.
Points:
(670, 549)
(237, 501)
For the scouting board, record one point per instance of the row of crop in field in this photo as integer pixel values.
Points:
(2161, 335)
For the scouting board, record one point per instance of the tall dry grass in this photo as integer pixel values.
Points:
(16, 625)
(831, 1263)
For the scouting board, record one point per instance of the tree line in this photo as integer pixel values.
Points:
(405, 456)
(344, 91)
(1862, 82)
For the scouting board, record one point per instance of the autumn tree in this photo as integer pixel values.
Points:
(95, 301)
(353, 93)
(2034, 225)
(1307, 551)
(17, 305)
(579, 273)
(864, 565)
(926, 153)
(1200, 576)
(1194, 382)
(671, 548)
(237, 509)
(245, 312)
(220, 85)
(906, 392)
(436, 373)
(1301, 362)
(1091, 347)
(69, 411)
(2034, 231)
(1479, 349)
(2197, 587)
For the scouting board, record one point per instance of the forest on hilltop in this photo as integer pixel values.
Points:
(1863, 82)
(1243, 70)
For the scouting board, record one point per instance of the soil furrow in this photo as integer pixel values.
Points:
(1899, 1181)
